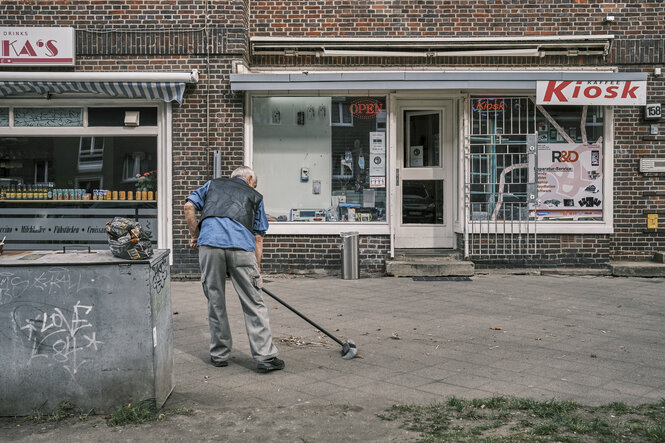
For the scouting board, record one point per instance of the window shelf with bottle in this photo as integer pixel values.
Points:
(57, 191)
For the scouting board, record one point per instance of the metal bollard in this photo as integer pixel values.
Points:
(350, 261)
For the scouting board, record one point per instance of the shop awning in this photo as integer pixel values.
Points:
(167, 87)
(416, 80)
(428, 48)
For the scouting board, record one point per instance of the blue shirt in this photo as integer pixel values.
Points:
(226, 233)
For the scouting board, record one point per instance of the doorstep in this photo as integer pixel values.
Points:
(426, 265)
(637, 269)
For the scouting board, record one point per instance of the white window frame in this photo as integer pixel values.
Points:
(163, 132)
(340, 112)
(606, 226)
(321, 228)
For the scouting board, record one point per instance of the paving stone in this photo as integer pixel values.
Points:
(563, 342)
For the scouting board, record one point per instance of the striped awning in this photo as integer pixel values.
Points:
(166, 91)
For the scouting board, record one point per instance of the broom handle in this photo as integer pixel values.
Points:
(303, 317)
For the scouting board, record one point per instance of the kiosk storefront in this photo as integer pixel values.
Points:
(77, 149)
(437, 159)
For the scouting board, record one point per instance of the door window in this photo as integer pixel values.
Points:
(422, 202)
(422, 139)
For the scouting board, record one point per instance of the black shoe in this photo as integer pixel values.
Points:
(272, 364)
(219, 364)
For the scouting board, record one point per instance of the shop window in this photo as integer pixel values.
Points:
(57, 191)
(566, 170)
(4, 116)
(48, 117)
(322, 160)
(570, 163)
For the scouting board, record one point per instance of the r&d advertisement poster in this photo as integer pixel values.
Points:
(570, 182)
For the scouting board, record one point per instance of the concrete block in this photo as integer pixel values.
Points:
(637, 269)
(429, 268)
(90, 329)
(659, 257)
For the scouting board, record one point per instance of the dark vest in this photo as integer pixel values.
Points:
(232, 198)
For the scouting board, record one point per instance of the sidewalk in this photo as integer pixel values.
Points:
(592, 339)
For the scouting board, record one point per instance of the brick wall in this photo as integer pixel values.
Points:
(429, 18)
(588, 250)
(638, 45)
(311, 253)
(637, 193)
(163, 35)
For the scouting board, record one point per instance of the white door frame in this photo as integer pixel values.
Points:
(427, 235)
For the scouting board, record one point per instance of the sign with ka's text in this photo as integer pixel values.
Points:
(594, 92)
(37, 46)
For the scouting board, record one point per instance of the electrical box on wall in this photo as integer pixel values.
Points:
(304, 174)
(216, 163)
(652, 165)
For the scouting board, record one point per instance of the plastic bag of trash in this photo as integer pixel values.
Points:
(128, 240)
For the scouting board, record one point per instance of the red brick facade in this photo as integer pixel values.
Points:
(169, 35)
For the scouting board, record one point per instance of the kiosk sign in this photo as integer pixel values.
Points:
(37, 46)
(600, 92)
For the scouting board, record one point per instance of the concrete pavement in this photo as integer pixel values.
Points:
(592, 339)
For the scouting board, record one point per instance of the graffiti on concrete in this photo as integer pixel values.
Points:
(65, 336)
(160, 279)
(45, 312)
(54, 281)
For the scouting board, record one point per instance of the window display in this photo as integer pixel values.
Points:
(568, 172)
(321, 159)
(62, 190)
(570, 163)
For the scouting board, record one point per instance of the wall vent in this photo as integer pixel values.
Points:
(652, 165)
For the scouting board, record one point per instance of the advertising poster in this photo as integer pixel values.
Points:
(570, 182)
(377, 164)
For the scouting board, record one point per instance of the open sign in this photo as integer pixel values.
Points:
(366, 108)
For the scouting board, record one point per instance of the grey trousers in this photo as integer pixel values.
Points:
(242, 267)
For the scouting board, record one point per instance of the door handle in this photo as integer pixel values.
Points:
(397, 177)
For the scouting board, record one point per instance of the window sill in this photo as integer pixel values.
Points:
(327, 228)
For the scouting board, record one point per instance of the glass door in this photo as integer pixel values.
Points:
(424, 176)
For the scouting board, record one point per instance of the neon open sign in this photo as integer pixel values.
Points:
(489, 105)
(366, 108)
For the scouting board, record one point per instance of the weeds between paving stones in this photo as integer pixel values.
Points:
(506, 419)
